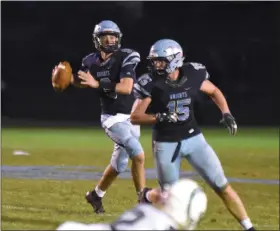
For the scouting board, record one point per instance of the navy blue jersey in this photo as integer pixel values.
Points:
(176, 97)
(121, 64)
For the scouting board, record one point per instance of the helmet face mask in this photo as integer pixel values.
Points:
(107, 37)
(158, 65)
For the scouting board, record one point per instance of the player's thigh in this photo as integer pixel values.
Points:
(167, 171)
(121, 134)
(119, 158)
(206, 162)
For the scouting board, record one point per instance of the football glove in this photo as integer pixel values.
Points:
(168, 117)
(229, 121)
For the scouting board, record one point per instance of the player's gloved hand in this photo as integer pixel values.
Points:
(229, 121)
(169, 117)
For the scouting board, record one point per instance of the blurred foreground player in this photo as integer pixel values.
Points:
(182, 207)
(170, 90)
(111, 70)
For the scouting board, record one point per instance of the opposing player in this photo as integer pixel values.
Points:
(183, 205)
(111, 70)
(170, 91)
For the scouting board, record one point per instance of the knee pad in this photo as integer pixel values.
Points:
(133, 146)
(218, 183)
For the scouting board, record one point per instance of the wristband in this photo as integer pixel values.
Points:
(107, 85)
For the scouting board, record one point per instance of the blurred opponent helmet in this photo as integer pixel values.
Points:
(185, 202)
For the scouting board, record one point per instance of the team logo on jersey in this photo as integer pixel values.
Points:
(180, 95)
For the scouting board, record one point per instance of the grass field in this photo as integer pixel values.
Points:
(41, 204)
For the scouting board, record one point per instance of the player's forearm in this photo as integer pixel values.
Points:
(136, 102)
(77, 84)
(124, 89)
(142, 119)
(220, 101)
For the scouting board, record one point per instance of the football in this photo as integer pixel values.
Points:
(61, 76)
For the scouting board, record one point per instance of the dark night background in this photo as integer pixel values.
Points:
(237, 41)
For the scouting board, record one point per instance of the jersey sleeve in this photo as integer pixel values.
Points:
(87, 61)
(200, 74)
(84, 66)
(129, 63)
(143, 87)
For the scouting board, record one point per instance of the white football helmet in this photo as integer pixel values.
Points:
(168, 50)
(107, 27)
(185, 202)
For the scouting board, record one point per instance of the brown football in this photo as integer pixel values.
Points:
(61, 77)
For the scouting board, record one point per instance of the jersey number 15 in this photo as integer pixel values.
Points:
(180, 107)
